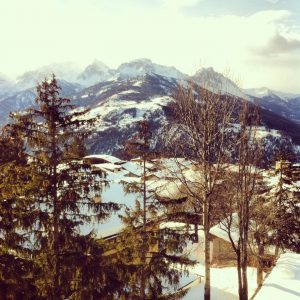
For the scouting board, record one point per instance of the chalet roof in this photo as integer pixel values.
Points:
(169, 189)
(105, 157)
(220, 230)
(107, 166)
(133, 167)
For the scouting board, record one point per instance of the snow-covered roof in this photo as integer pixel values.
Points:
(108, 158)
(133, 167)
(170, 189)
(107, 166)
(284, 280)
(220, 230)
(117, 177)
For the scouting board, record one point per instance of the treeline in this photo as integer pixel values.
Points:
(48, 195)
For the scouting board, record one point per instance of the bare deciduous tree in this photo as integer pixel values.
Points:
(204, 123)
(244, 187)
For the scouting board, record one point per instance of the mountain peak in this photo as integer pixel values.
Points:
(206, 70)
(99, 64)
(143, 66)
(218, 83)
(65, 70)
(94, 73)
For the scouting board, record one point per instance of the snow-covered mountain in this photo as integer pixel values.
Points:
(266, 92)
(284, 104)
(120, 104)
(95, 73)
(142, 89)
(218, 83)
(6, 87)
(26, 98)
(67, 71)
(144, 66)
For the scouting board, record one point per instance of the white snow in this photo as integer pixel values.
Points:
(220, 230)
(218, 83)
(108, 158)
(108, 167)
(224, 283)
(114, 108)
(284, 280)
(262, 132)
(134, 168)
(264, 92)
(140, 67)
(128, 92)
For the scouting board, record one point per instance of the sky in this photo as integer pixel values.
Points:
(257, 40)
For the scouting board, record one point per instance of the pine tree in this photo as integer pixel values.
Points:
(54, 134)
(287, 211)
(149, 252)
(17, 185)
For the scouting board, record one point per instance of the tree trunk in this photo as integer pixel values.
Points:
(206, 251)
(245, 251)
(240, 281)
(244, 273)
(56, 212)
(56, 253)
(276, 251)
(260, 265)
(143, 256)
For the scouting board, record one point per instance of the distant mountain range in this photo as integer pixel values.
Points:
(141, 89)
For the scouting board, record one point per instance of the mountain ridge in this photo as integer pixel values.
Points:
(120, 102)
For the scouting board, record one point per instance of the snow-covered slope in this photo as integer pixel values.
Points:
(120, 104)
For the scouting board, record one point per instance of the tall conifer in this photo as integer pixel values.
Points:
(17, 185)
(69, 258)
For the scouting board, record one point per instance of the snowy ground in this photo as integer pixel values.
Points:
(284, 280)
(224, 284)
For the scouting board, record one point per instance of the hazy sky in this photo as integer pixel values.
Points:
(258, 40)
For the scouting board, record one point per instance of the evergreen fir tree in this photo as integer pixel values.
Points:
(286, 223)
(17, 185)
(149, 252)
(69, 259)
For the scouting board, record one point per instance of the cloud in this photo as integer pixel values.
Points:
(278, 44)
(175, 5)
(273, 1)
